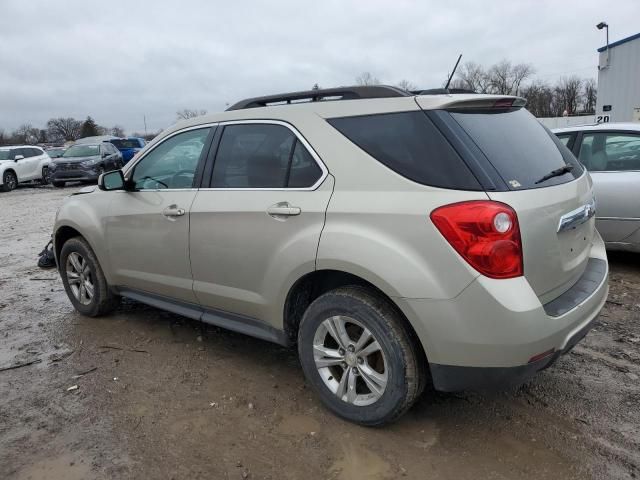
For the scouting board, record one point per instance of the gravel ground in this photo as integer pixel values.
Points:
(147, 394)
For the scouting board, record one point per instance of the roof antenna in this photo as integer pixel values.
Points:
(446, 87)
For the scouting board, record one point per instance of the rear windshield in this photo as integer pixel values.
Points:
(519, 147)
(4, 154)
(134, 143)
(411, 145)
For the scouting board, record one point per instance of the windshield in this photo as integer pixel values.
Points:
(4, 154)
(133, 143)
(55, 152)
(82, 151)
(519, 147)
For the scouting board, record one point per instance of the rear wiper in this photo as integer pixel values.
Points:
(555, 173)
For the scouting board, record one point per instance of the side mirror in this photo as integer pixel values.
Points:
(113, 180)
(105, 154)
(18, 157)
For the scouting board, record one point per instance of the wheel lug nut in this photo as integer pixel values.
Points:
(344, 364)
(354, 370)
(360, 360)
(351, 348)
(341, 351)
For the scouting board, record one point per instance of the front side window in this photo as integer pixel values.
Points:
(263, 156)
(173, 163)
(611, 151)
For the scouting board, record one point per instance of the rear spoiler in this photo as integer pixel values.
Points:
(486, 103)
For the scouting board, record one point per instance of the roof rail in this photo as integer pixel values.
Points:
(442, 91)
(340, 93)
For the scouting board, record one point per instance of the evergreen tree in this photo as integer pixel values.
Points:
(89, 128)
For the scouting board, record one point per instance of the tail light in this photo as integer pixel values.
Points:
(485, 233)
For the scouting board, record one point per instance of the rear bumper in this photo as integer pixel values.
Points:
(487, 336)
(451, 378)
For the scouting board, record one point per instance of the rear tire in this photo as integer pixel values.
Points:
(57, 184)
(83, 279)
(45, 176)
(384, 374)
(9, 181)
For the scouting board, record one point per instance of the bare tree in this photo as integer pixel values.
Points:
(366, 78)
(315, 87)
(26, 134)
(505, 78)
(540, 99)
(407, 85)
(187, 113)
(472, 76)
(569, 93)
(590, 95)
(117, 131)
(64, 128)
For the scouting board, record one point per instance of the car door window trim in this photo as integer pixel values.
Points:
(130, 167)
(299, 138)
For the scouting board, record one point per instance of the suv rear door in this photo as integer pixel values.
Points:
(516, 152)
(256, 224)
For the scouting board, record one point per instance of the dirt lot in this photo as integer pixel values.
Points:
(160, 396)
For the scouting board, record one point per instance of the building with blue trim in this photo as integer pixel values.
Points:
(619, 81)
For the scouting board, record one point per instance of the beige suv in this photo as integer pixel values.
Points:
(395, 238)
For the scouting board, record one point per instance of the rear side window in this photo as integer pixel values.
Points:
(263, 156)
(610, 152)
(519, 147)
(410, 145)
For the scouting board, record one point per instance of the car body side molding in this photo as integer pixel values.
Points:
(230, 321)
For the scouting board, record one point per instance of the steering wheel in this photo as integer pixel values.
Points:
(181, 173)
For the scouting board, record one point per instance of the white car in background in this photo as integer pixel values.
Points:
(611, 153)
(22, 163)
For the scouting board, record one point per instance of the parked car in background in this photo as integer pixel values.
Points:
(611, 153)
(55, 152)
(22, 163)
(84, 163)
(388, 235)
(128, 146)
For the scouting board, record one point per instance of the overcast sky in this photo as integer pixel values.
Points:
(120, 60)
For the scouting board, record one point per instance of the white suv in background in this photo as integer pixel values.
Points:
(22, 163)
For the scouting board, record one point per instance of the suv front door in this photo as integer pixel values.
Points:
(256, 227)
(24, 167)
(148, 228)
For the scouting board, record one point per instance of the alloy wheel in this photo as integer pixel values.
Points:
(350, 360)
(11, 180)
(80, 278)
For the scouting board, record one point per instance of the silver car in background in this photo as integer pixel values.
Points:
(611, 153)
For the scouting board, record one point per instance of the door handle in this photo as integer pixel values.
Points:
(283, 209)
(173, 211)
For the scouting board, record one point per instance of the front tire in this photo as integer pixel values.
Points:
(359, 357)
(58, 184)
(9, 181)
(83, 279)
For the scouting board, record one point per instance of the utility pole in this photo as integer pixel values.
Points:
(600, 26)
(145, 124)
